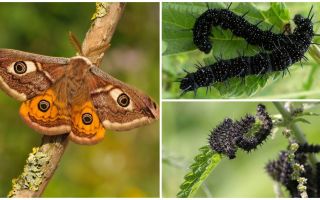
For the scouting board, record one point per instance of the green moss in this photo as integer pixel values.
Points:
(33, 173)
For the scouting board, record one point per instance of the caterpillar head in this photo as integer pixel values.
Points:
(302, 23)
(188, 83)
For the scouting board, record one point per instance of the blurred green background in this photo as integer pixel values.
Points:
(186, 126)
(307, 85)
(124, 164)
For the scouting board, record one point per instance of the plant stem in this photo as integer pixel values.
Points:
(296, 131)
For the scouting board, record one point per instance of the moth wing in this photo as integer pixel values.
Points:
(86, 127)
(25, 75)
(47, 114)
(119, 106)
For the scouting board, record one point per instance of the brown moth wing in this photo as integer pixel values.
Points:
(39, 74)
(119, 106)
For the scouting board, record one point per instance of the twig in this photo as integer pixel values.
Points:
(40, 166)
(43, 161)
(98, 37)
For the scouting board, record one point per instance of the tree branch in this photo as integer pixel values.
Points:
(43, 161)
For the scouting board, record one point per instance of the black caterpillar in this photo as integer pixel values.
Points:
(281, 170)
(279, 51)
(230, 135)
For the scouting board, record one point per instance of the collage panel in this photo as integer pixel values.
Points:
(123, 163)
(240, 149)
(242, 50)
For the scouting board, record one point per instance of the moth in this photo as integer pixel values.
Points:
(71, 95)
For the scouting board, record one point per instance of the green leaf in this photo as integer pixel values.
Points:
(203, 165)
(178, 20)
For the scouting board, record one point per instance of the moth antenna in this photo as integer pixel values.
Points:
(310, 11)
(228, 8)
(75, 43)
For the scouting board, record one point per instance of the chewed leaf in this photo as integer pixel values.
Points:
(203, 165)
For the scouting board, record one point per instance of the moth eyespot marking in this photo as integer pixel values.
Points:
(87, 118)
(123, 100)
(20, 67)
(43, 105)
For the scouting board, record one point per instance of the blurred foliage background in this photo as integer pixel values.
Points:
(180, 53)
(124, 164)
(186, 126)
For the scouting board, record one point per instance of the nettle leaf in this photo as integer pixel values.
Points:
(203, 165)
(178, 20)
